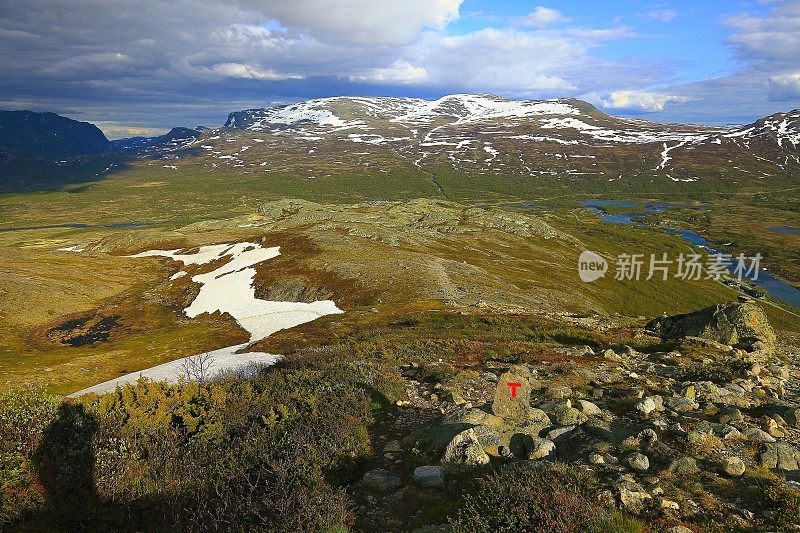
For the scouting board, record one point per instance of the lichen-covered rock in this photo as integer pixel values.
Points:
(684, 466)
(733, 466)
(780, 456)
(512, 397)
(566, 415)
(465, 450)
(740, 324)
(638, 462)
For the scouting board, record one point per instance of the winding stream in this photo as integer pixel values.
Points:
(775, 287)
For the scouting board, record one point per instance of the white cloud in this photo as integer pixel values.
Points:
(372, 22)
(238, 70)
(640, 100)
(661, 15)
(401, 72)
(541, 16)
(785, 86)
(772, 40)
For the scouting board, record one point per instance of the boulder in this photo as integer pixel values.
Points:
(430, 476)
(465, 450)
(512, 397)
(780, 456)
(638, 462)
(587, 408)
(740, 324)
(650, 404)
(566, 415)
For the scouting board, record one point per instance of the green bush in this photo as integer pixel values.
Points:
(24, 415)
(779, 503)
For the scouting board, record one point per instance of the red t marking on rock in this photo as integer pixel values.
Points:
(514, 388)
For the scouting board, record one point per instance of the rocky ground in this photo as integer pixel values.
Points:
(680, 438)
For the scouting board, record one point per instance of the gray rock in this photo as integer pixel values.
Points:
(792, 417)
(430, 476)
(780, 456)
(757, 435)
(381, 481)
(465, 450)
(587, 408)
(650, 404)
(539, 448)
(638, 462)
(733, 466)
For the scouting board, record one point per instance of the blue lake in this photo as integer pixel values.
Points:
(791, 230)
(776, 288)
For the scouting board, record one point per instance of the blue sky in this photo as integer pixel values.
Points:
(143, 66)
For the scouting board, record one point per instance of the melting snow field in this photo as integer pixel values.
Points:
(227, 289)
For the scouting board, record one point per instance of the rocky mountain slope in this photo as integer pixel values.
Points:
(490, 135)
(540, 142)
(47, 135)
(176, 137)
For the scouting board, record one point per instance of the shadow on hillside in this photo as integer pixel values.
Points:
(64, 463)
(22, 174)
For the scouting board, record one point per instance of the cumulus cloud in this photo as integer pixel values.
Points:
(157, 64)
(785, 86)
(401, 72)
(541, 16)
(772, 40)
(238, 70)
(641, 100)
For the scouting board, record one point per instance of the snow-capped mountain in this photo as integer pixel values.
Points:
(486, 134)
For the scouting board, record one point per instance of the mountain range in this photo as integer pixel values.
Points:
(562, 139)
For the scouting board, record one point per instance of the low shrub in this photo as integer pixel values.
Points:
(538, 497)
